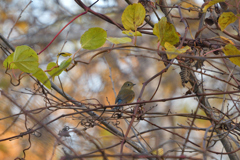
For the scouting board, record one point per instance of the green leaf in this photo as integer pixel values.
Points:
(172, 51)
(131, 33)
(225, 19)
(159, 30)
(55, 71)
(58, 70)
(93, 38)
(165, 32)
(133, 16)
(8, 62)
(231, 50)
(65, 64)
(26, 59)
(211, 3)
(42, 77)
(119, 40)
(64, 54)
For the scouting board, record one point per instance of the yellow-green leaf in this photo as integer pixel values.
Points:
(55, 71)
(211, 3)
(42, 77)
(119, 40)
(156, 30)
(231, 50)
(64, 54)
(8, 62)
(58, 70)
(131, 33)
(165, 32)
(65, 64)
(26, 59)
(93, 38)
(162, 28)
(158, 152)
(226, 40)
(225, 19)
(172, 51)
(133, 16)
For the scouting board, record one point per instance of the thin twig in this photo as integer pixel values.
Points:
(20, 15)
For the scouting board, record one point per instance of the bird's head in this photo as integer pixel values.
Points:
(128, 85)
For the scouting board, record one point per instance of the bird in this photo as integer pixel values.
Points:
(125, 95)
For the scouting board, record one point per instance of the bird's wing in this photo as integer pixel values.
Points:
(125, 96)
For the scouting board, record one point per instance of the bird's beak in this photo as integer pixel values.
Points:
(134, 84)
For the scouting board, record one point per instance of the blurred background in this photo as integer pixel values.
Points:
(38, 25)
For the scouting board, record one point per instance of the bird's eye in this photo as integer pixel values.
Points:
(128, 84)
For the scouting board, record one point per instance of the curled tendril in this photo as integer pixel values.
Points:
(11, 77)
(37, 134)
(116, 115)
(88, 123)
(116, 123)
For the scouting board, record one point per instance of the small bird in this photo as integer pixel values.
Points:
(125, 95)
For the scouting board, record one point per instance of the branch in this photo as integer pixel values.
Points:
(95, 116)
